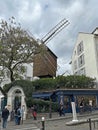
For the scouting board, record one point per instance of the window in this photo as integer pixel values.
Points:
(75, 64)
(81, 60)
(80, 48)
(75, 52)
(82, 71)
(76, 73)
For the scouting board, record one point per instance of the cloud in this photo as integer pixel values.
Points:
(29, 12)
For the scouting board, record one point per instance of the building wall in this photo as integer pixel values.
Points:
(85, 55)
(96, 49)
(90, 56)
(45, 65)
(29, 71)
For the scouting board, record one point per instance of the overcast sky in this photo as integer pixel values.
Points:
(40, 16)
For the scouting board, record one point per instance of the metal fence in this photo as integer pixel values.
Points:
(93, 124)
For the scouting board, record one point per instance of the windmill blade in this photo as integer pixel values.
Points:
(53, 32)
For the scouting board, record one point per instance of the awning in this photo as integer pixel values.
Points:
(41, 95)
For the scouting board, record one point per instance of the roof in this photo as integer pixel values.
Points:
(41, 95)
(68, 92)
(51, 52)
(95, 30)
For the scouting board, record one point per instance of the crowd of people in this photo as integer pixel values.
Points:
(16, 115)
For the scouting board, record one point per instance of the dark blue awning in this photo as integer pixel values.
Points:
(68, 92)
(41, 95)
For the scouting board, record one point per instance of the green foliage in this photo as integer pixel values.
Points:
(44, 84)
(49, 84)
(16, 48)
(25, 84)
(43, 106)
(72, 81)
(76, 81)
(60, 81)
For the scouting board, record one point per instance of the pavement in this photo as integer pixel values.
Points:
(57, 123)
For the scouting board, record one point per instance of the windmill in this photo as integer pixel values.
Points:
(45, 65)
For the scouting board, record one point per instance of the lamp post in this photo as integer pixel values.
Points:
(73, 108)
(73, 111)
(43, 123)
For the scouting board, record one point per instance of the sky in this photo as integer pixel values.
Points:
(38, 17)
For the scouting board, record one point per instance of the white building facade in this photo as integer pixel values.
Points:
(85, 55)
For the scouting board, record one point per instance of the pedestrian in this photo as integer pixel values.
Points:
(12, 115)
(34, 112)
(82, 106)
(5, 114)
(16, 116)
(61, 110)
(19, 115)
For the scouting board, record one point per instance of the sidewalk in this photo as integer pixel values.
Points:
(54, 123)
(55, 116)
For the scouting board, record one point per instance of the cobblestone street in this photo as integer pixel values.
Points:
(56, 123)
(61, 125)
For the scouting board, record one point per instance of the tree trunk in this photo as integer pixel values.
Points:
(11, 76)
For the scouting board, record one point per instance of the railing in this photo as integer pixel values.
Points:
(93, 124)
(85, 109)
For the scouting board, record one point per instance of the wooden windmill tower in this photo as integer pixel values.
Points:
(45, 65)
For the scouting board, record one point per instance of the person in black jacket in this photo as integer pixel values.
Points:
(61, 110)
(5, 114)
